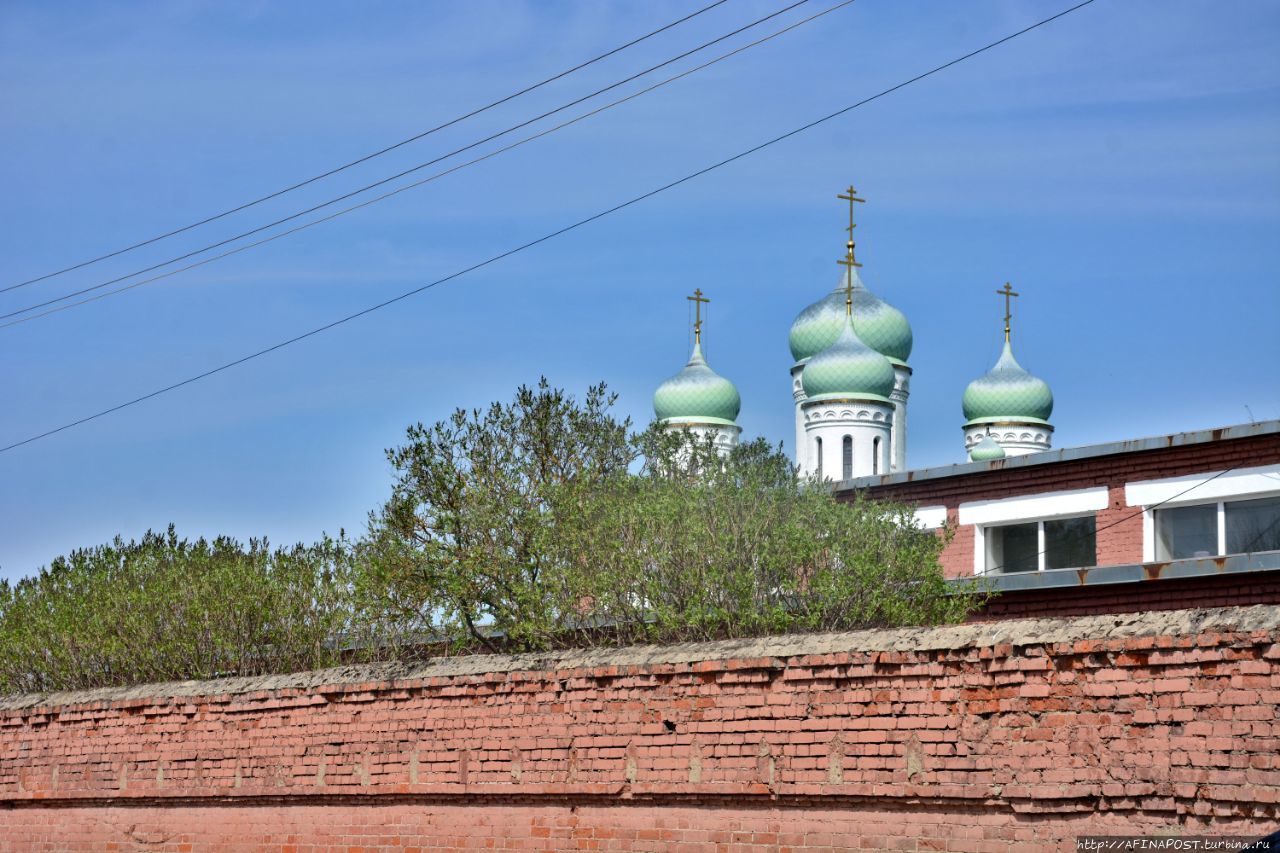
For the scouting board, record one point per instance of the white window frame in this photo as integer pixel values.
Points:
(1046, 506)
(1149, 524)
(1210, 487)
(980, 542)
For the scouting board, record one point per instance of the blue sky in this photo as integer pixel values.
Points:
(1118, 166)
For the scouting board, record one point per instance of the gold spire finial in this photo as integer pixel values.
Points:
(848, 280)
(849, 261)
(697, 299)
(1007, 292)
(851, 195)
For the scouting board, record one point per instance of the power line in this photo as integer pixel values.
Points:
(396, 176)
(550, 236)
(366, 157)
(421, 182)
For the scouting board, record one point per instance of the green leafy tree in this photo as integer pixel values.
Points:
(166, 608)
(534, 524)
(699, 547)
(524, 527)
(469, 542)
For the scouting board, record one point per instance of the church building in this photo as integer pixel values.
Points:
(1191, 519)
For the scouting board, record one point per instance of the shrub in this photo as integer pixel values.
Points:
(524, 527)
(166, 608)
(699, 547)
(472, 542)
(532, 525)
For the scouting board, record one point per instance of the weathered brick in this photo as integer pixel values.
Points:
(752, 751)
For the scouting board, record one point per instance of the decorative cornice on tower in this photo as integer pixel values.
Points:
(986, 449)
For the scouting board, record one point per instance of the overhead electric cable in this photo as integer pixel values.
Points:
(426, 180)
(544, 238)
(398, 175)
(367, 157)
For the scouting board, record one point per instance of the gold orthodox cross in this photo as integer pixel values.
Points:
(697, 299)
(1007, 292)
(851, 199)
(849, 262)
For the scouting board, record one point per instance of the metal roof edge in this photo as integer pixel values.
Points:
(1234, 564)
(1068, 454)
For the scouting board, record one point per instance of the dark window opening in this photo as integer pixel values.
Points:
(1253, 526)
(1187, 531)
(1013, 548)
(1059, 543)
(1070, 543)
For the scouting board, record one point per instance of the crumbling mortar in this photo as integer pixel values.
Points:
(1235, 627)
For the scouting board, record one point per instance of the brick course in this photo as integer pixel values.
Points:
(1016, 735)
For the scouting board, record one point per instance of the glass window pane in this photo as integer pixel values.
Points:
(1070, 543)
(1187, 531)
(1253, 526)
(847, 460)
(1013, 548)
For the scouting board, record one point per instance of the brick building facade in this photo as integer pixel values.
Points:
(1122, 509)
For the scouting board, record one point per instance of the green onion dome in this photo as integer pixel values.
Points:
(880, 326)
(1007, 393)
(848, 368)
(986, 450)
(697, 394)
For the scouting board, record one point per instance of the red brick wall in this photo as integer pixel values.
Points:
(1118, 545)
(957, 557)
(348, 825)
(1018, 735)
(1119, 526)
